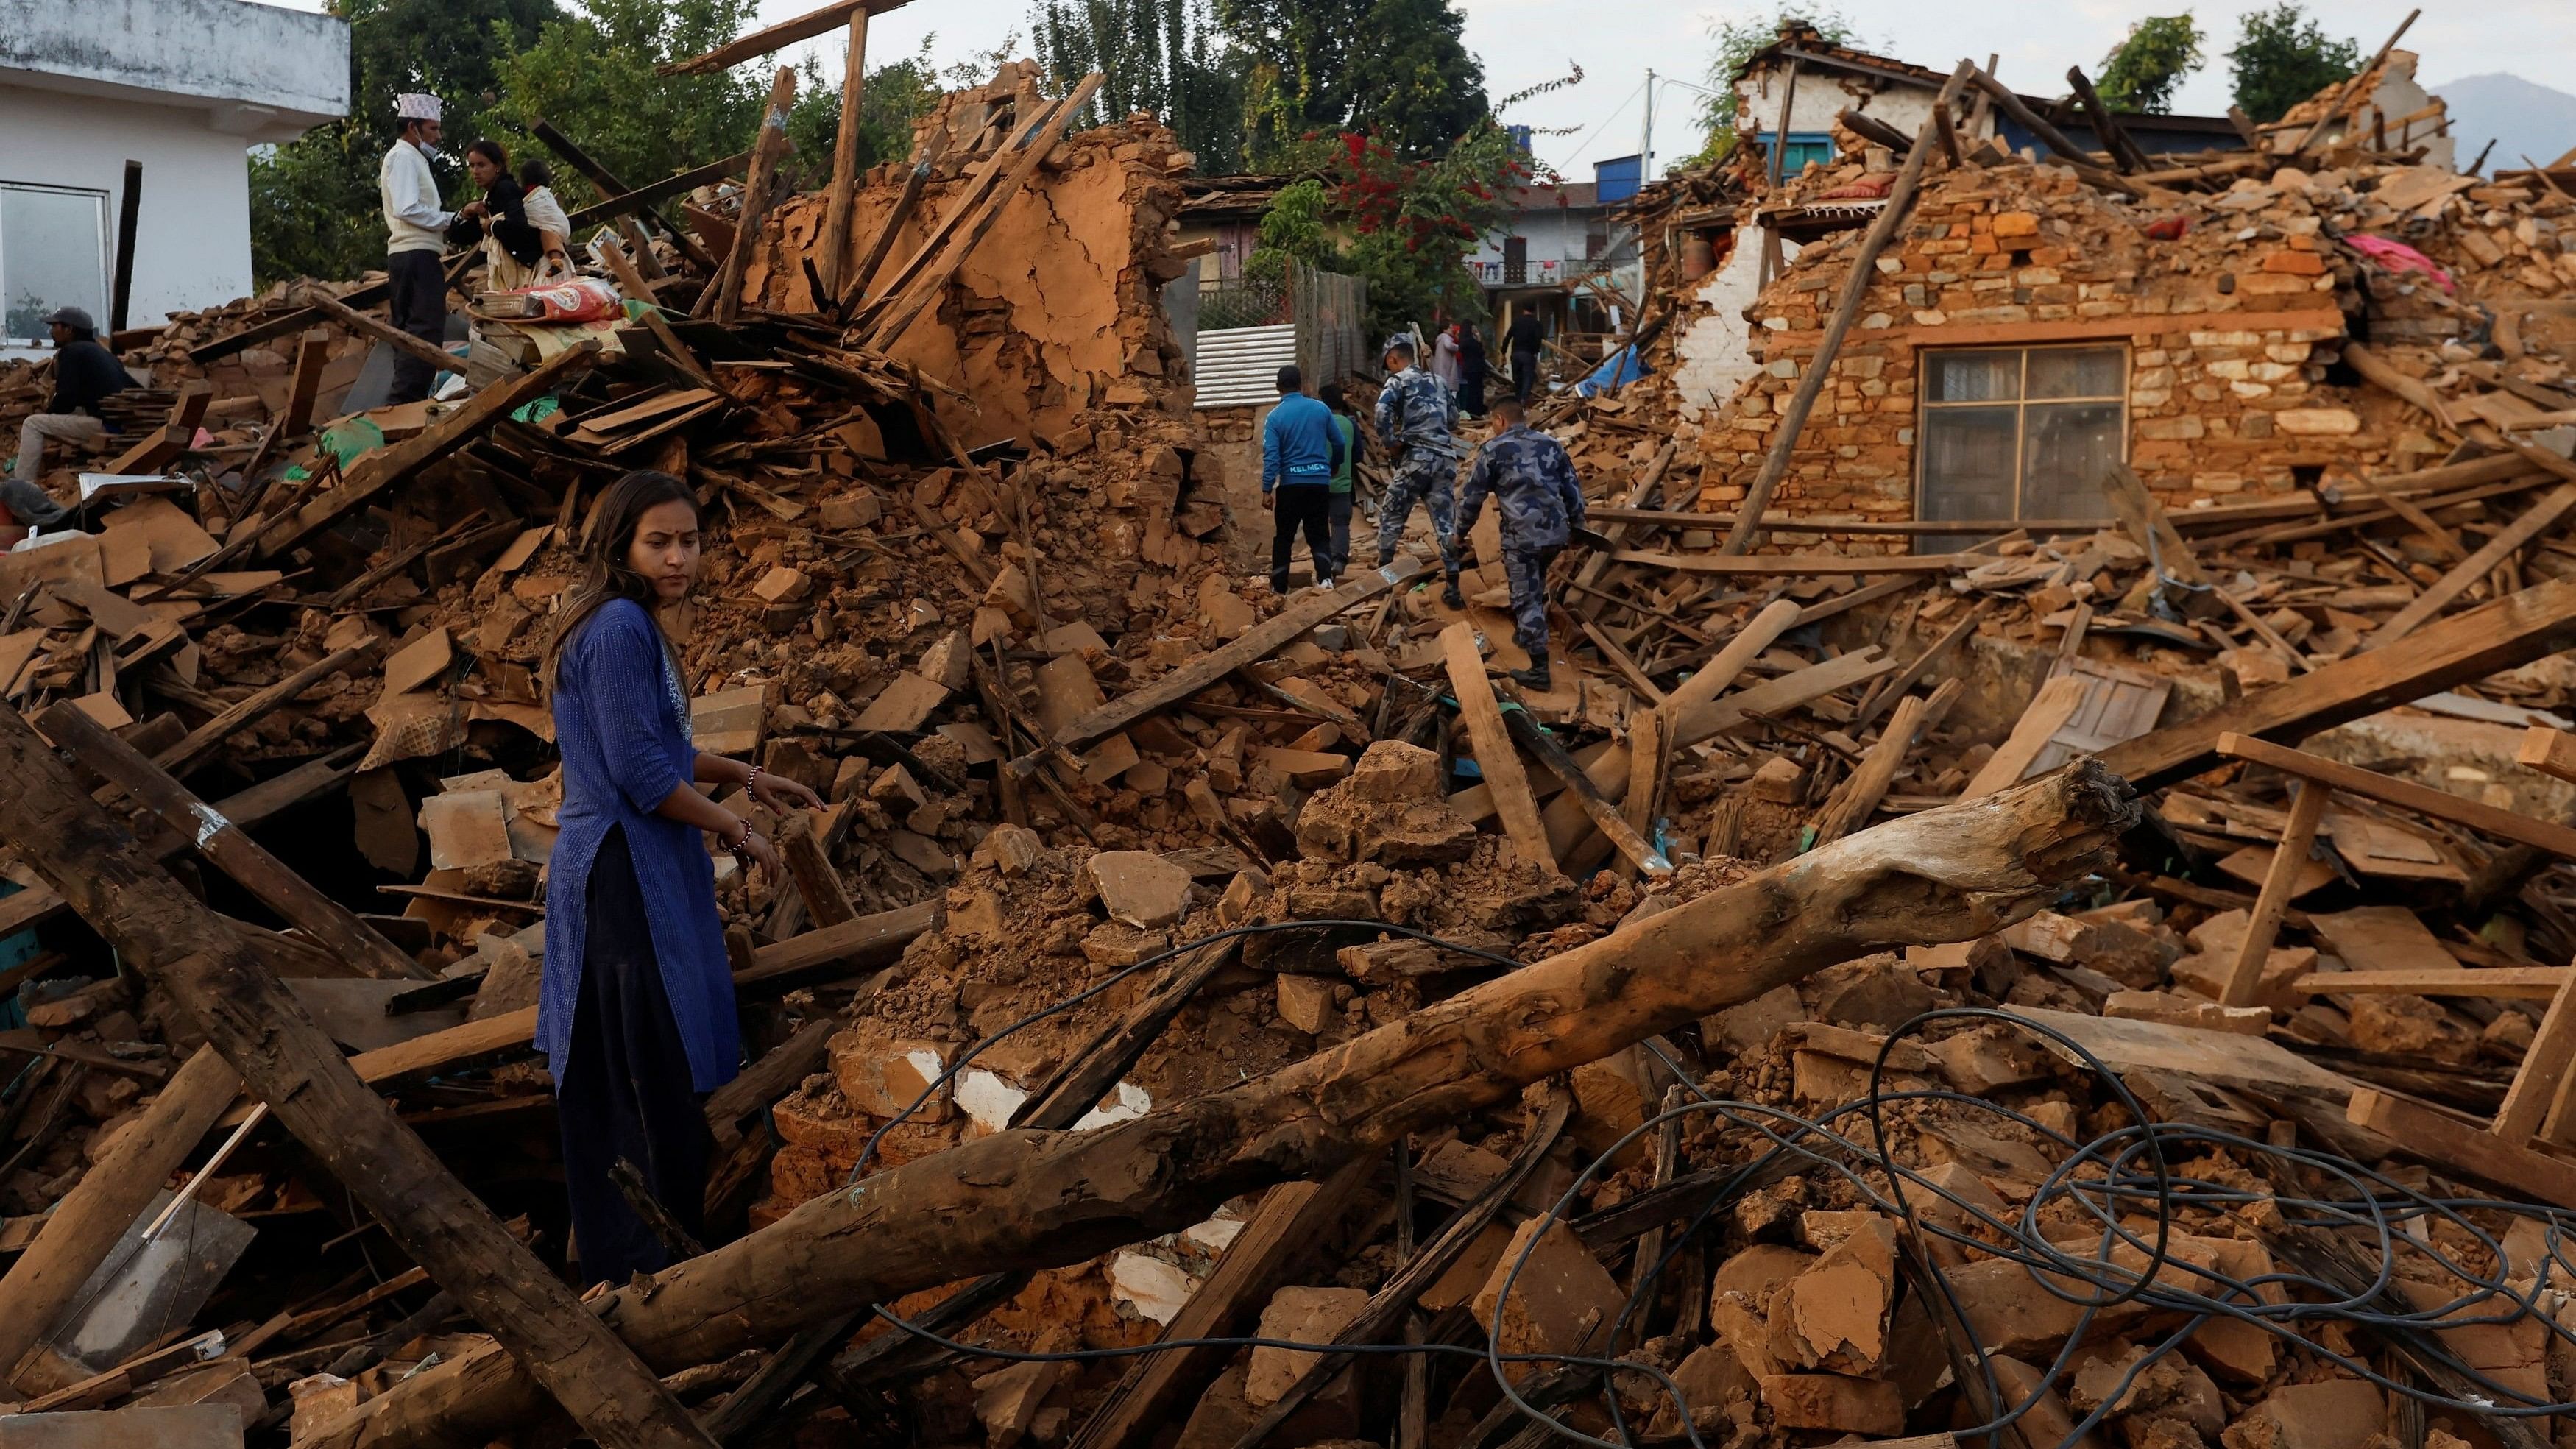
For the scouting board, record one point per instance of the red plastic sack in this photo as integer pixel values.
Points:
(582, 299)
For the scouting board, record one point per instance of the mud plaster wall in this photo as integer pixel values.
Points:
(2226, 392)
(1054, 312)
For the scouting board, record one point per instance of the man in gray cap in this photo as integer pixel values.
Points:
(415, 231)
(84, 373)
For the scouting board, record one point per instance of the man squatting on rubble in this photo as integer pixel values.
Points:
(635, 1008)
(84, 372)
(1414, 416)
(415, 232)
(1532, 480)
(1301, 450)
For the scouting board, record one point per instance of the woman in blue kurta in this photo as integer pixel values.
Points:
(636, 1014)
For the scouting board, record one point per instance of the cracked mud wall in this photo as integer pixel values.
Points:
(1056, 311)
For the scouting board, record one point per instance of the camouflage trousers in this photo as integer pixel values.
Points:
(1526, 568)
(1422, 477)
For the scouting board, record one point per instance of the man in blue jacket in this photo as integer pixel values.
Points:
(1301, 450)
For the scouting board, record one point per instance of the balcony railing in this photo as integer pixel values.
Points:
(1538, 272)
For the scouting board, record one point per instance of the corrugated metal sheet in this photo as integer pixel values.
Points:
(1238, 365)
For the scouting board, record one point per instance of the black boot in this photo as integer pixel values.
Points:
(1451, 596)
(1536, 676)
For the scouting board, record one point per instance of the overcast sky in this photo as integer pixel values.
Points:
(1523, 42)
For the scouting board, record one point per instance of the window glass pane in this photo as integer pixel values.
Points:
(2065, 449)
(51, 255)
(1974, 377)
(2075, 372)
(1967, 469)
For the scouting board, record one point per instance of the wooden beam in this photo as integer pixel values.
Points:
(394, 337)
(1772, 696)
(2124, 152)
(220, 977)
(611, 184)
(229, 848)
(2536, 1084)
(757, 184)
(777, 37)
(2466, 574)
(1598, 807)
(385, 467)
(1496, 759)
(1255, 644)
(2551, 752)
(905, 203)
(2048, 712)
(1857, 798)
(2455, 1145)
(2501, 983)
(863, 943)
(2514, 630)
(1801, 565)
(2558, 840)
(312, 354)
(2144, 520)
(1864, 272)
(1719, 675)
(2280, 883)
(809, 866)
(92, 1218)
(1293, 1221)
(194, 746)
(654, 193)
(842, 198)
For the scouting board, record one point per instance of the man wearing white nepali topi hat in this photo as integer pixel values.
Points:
(414, 227)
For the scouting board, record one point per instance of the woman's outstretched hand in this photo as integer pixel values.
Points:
(780, 794)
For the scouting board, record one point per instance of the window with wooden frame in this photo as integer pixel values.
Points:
(2018, 433)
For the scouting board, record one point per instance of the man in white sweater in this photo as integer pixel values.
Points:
(415, 227)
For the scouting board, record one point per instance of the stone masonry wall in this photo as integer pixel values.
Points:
(2232, 327)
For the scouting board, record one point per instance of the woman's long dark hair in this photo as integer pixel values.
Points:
(605, 573)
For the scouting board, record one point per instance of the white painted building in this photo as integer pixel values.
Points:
(185, 87)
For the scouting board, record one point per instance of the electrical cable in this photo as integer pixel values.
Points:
(2108, 1178)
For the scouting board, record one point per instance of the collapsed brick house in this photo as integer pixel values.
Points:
(2027, 326)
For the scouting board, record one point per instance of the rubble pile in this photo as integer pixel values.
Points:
(2107, 978)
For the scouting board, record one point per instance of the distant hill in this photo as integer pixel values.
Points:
(2525, 119)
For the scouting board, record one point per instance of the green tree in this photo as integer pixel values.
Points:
(2142, 72)
(1411, 223)
(2282, 57)
(591, 75)
(314, 210)
(1735, 42)
(1162, 57)
(1394, 69)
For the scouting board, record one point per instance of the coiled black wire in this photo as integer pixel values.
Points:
(2113, 1176)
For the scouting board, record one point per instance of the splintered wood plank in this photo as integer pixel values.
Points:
(1294, 1219)
(2558, 840)
(2280, 883)
(2049, 711)
(2551, 752)
(2456, 1145)
(2503, 983)
(1858, 796)
(2515, 630)
(1777, 696)
(1496, 760)
(1255, 644)
(2439, 595)
(2382, 939)
(1709, 681)
(1800, 565)
(2544, 1069)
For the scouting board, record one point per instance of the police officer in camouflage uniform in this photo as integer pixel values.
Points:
(1414, 415)
(1533, 484)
